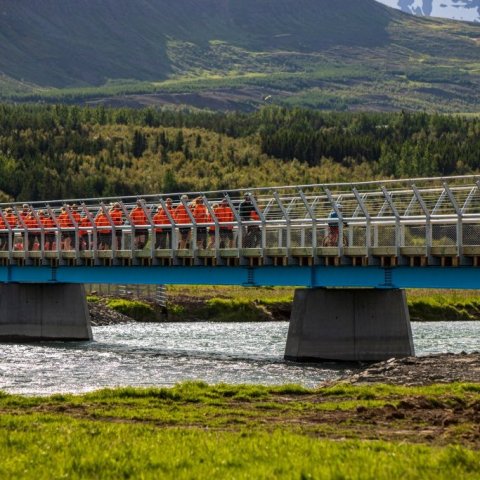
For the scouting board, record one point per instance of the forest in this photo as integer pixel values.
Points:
(49, 152)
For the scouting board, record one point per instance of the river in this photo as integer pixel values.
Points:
(141, 355)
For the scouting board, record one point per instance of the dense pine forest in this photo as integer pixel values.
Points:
(51, 152)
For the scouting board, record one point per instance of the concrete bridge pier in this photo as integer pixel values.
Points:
(33, 312)
(349, 325)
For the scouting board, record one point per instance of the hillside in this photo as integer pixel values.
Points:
(66, 152)
(232, 54)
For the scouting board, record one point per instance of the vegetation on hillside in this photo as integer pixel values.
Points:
(222, 54)
(51, 152)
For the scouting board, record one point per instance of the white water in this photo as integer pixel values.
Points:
(140, 354)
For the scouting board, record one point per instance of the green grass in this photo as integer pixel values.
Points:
(198, 431)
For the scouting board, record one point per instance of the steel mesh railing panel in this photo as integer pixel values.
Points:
(444, 235)
(385, 236)
(414, 235)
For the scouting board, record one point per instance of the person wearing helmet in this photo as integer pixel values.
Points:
(331, 240)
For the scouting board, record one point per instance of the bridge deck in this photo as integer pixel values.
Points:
(405, 223)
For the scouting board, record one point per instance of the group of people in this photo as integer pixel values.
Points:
(109, 222)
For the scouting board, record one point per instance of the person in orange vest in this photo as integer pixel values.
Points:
(66, 225)
(163, 236)
(11, 220)
(49, 231)
(84, 223)
(103, 232)
(224, 214)
(75, 214)
(25, 211)
(32, 225)
(3, 233)
(200, 214)
(182, 218)
(139, 219)
(116, 215)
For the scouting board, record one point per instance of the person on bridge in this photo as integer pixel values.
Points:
(4, 234)
(182, 218)
(49, 231)
(11, 220)
(200, 214)
(104, 233)
(66, 225)
(33, 226)
(331, 240)
(116, 215)
(85, 223)
(248, 213)
(245, 210)
(225, 215)
(139, 220)
(24, 211)
(163, 236)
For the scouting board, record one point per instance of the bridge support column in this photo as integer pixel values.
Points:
(349, 325)
(31, 312)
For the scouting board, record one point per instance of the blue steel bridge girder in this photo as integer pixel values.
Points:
(293, 276)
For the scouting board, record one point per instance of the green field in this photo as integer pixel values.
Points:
(199, 431)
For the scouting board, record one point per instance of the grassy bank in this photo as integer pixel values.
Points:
(198, 431)
(239, 304)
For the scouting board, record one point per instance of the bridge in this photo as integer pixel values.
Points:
(382, 236)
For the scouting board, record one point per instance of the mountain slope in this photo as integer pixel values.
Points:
(74, 42)
(346, 54)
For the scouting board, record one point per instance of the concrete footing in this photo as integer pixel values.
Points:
(31, 312)
(349, 325)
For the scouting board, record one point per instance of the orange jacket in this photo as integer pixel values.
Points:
(76, 216)
(138, 217)
(11, 220)
(31, 222)
(181, 215)
(225, 214)
(102, 221)
(116, 215)
(84, 222)
(161, 218)
(2, 224)
(200, 213)
(64, 220)
(48, 224)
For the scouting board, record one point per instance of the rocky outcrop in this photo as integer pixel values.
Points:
(441, 368)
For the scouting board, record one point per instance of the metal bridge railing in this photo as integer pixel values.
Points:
(432, 218)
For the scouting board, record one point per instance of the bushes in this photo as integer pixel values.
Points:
(139, 311)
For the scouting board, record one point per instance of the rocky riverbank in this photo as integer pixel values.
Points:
(411, 371)
(101, 315)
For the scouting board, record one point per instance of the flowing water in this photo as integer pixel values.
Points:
(140, 354)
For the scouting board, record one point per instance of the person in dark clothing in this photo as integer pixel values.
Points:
(248, 213)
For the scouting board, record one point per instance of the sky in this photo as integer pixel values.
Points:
(468, 10)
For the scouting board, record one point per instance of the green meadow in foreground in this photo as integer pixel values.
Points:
(198, 431)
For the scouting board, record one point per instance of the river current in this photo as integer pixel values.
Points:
(145, 354)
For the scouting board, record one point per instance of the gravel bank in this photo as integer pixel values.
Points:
(441, 368)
